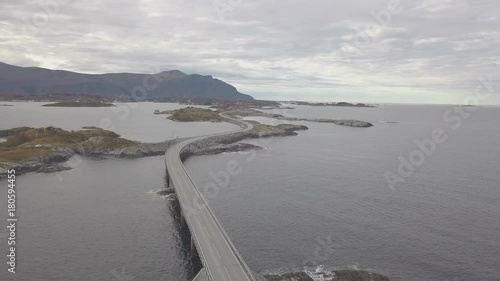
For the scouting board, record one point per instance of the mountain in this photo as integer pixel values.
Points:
(15, 80)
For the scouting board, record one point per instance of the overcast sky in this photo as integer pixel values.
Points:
(428, 51)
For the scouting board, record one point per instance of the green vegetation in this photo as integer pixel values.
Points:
(194, 114)
(262, 128)
(23, 153)
(15, 131)
(79, 104)
(24, 143)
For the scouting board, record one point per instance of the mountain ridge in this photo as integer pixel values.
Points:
(173, 84)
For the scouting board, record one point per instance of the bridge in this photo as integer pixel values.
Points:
(221, 261)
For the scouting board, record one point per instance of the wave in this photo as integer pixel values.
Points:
(159, 194)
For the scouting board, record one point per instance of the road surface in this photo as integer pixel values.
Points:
(220, 258)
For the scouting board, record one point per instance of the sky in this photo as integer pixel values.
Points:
(376, 51)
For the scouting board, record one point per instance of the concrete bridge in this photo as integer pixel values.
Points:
(221, 261)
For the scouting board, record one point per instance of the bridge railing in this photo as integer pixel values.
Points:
(190, 227)
(238, 256)
(226, 237)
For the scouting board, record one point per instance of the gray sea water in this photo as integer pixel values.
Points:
(317, 199)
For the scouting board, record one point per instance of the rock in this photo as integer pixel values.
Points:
(253, 112)
(228, 143)
(292, 276)
(358, 275)
(165, 192)
(336, 275)
(350, 122)
(52, 168)
(217, 149)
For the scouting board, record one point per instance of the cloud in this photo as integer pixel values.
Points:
(432, 51)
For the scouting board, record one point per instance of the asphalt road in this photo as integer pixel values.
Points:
(219, 256)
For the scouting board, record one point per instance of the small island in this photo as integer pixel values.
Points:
(192, 114)
(42, 149)
(79, 104)
(345, 104)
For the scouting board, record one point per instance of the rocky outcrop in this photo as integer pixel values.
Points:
(349, 122)
(166, 192)
(93, 148)
(53, 168)
(38, 164)
(336, 275)
(358, 275)
(252, 112)
(90, 148)
(229, 142)
(197, 150)
(292, 276)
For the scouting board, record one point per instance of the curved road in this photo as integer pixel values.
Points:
(220, 258)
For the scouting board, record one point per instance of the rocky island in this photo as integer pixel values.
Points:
(192, 114)
(79, 104)
(347, 104)
(43, 149)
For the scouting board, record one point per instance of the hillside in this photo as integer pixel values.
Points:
(173, 84)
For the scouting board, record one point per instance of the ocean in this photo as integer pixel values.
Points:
(321, 199)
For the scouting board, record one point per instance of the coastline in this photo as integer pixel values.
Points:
(92, 148)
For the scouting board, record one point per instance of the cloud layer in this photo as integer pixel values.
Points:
(430, 51)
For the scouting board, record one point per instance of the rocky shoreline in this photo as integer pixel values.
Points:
(235, 113)
(100, 146)
(53, 163)
(230, 142)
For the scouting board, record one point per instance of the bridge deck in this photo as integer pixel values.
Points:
(219, 256)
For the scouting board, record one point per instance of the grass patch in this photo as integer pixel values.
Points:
(28, 137)
(194, 114)
(20, 154)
